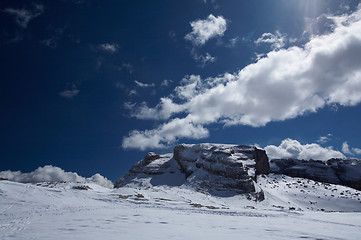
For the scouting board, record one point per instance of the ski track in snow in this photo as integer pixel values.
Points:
(292, 210)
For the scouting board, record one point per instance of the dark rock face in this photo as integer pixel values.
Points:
(262, 164)
(345, 172)
(223, 167)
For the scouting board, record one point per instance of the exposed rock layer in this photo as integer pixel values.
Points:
(345, 172)
(211, 167)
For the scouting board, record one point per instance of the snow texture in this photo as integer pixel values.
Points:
(294, 208)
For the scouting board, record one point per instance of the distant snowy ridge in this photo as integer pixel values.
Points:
(50, 173)
(340, 171)
(222, 169)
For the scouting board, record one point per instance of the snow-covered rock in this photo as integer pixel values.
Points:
(212, 167)
(153, 170)
(345, 172)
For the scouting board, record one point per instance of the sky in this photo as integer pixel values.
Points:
(92, 86)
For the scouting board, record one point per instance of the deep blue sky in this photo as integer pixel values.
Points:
(74, 73)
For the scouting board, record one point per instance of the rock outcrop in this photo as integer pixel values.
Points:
(214, 168)
(222, 167)
(223, 170)
(345, 172)
(158, 169)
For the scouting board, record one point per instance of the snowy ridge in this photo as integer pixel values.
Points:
(345, 172)
(293, 208)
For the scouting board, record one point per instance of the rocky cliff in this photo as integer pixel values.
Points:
(345, 172)
(215, 168)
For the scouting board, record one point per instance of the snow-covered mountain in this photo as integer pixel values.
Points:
(214, 168)
(201, 191)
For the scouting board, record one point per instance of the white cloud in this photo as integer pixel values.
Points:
(276, 40)
(203, 30)
(164, 134)
(100, 180)
(357, 150)
(324, 139)
(282, 85)
(294, 149)
(24, 16)
(162, 111)
(346, 149)
(109, 47)
(321, 25)
(50, 173)
(132, 92)
(144, 85)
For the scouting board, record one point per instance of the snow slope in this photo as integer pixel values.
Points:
(293, 208)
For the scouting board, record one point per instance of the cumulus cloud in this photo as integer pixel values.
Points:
(164, 134)
(144, 85)
(162, 111)
(24, 16)
(346, 149)
(50, 173)
(284, 84)
(276, 40)
(294, 149)
(109, 47)
(357, 150)
(203, 30)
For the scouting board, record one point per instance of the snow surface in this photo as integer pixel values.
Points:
(294, 208)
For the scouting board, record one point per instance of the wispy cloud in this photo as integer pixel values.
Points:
(232, 42)
(202, 59)
(144, 85)
(346, 149)
(70, 93)
(290, 148)
(129, 67)
(276, 40)
(52, 41)
(24, 16)
(203, 30)
(109, 47)
(282, 85)
(324, 139)
(165, 83)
